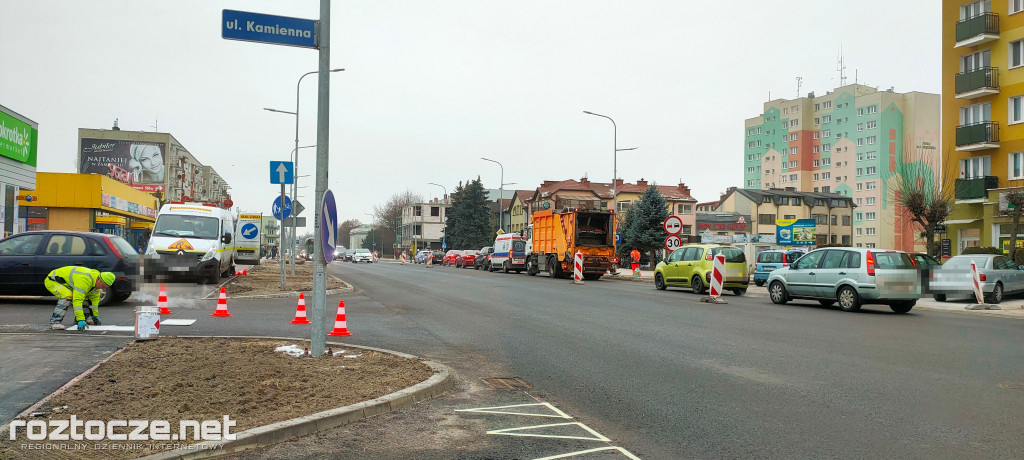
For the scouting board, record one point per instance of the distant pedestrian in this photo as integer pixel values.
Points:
(635, 263)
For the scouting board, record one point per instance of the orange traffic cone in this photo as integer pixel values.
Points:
(162, 300)
(340, 325)
(222, 304)
(300, 311)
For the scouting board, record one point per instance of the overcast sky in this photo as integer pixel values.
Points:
(432, 86)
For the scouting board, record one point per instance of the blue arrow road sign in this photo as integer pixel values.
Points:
(266, 28)
(249, 231)
(282, 213)
(282, 172)
(328, 226)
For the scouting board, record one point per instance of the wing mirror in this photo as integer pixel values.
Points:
(226, 238)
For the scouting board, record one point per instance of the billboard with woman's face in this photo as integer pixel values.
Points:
(136, 163)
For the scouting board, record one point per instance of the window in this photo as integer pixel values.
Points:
(826, 147)
(785, 111)
(794, 122)
(870, 185)
(796, 201)
(435, 211)
(872, 108)
(860, 171)
(815, 176)
(870, 230)
(816, 149)
(975, 168)
(766, 219)
(1014, 106)
(66, 245)
(839, 135)
(417, 211)
(22, 245)
(976, 113)
(686, 209)
(860, 126)
(815, 162)
(835, 220)
(860, 157)
(869, 216)
(869, 245)
(792, 164)
(1016, 53)
(785, 151)
(792, 177)
(758, 130)
(872, 155)
(793, 151)
(859, 231)
(872, 124)
(872, 139)
(860, 141)
(826, 133)
(766, 199)
(793, 137)
(860, 201)
(859, 216)
(750, 183)
(826, 190)
(826, 119)
(826, 161)
(827, 105)
(860, 186)
(860, 112)
(1017, 164)
(871, 170)
(870, 201)
(817, 107)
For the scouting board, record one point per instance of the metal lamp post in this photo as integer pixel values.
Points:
(294, 237)
(501, 195)
(444, 221)
(615, 162)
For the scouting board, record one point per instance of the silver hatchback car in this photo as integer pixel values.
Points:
(997, 274)
(850, 276)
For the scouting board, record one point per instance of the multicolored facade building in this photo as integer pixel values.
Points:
(983, 117)
(852, 141)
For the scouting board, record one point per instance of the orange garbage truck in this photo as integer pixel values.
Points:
(557, 236)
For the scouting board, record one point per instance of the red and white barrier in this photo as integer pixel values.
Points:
(577, 268)
(717, 275)
(977, 283)
(430, 260)
(403, 257)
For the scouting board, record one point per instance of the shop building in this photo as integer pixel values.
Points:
(18, 136)
(88, 203)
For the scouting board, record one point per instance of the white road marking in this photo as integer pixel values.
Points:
(493, 410)
(581, 452)
(103, 328)
(177, 322)
(512, 432)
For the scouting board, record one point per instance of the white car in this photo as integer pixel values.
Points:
(362, 255)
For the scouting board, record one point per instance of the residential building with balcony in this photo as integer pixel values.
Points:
(983, 118)
(848, 142)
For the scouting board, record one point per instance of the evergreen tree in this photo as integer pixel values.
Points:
(646, 231)
(622, 251)
(467, 221)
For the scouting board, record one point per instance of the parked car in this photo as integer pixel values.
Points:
(691, 265)
(362, 255)
(483, 257)
(466, 259)
(772, 259)
(997, 274)
(850, 276)
(449, 257)
(926, 265)
(26, 259)
(438, 256)
(421, 256)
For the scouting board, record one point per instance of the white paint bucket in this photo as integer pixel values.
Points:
(147, 322)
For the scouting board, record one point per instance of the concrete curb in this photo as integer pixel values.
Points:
(439, 383)
(216, 293)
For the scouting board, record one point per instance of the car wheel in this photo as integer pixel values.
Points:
(531, 268)
(996, 295)
(827, 303)
(552, 269)
(106, 297)
(848, 299)
(476, 267)
(903, 307)
(739, 291)
(213, 278)
(940, 297)
(659, 282)
(759, 282)
(698, 285)
(504, 267)
(777, 292)
(519, 271)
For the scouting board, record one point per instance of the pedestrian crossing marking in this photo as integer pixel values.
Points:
(588, 451)
(494, 410)
(517, 432)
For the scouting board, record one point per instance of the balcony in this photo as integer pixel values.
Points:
(977, 83)
(977, 136)
(977, 30)
(972, 189)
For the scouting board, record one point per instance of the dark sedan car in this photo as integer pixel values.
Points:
(483, 258)
(465, 259)
(438, 257)
(26, 259)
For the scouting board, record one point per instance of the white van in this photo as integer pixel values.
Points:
(509, 253)
(193, 240)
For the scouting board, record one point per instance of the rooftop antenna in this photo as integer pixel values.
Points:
(799, 81)
(841, 68)
(156, 124)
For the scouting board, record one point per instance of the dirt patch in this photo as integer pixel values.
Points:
(265, 279)
(176, 379)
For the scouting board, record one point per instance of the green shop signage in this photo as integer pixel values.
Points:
(17, 140)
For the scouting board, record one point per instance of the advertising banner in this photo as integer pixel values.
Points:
(17, 140)
(796, 232)
(136, 163)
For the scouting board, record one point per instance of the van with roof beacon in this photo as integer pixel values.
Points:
(192, 240)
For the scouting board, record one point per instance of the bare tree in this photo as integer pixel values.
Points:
(389, 213)
(345, 231)
(926, 194)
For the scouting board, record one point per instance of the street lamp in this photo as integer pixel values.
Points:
(501, 195)
(444, 222)
(296, 160)
(615, 161)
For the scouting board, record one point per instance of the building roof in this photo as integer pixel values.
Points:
(756, 195)
(604, 190)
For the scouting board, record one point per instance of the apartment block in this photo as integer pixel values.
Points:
(848, 142)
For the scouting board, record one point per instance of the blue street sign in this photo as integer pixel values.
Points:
(266, 28)
(618, 239)
(249, 231)
(282, 172)
(328, 226)
(444, 245)
(279, 213)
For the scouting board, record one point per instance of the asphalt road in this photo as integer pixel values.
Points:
(654, 373)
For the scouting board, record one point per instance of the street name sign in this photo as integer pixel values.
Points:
(266, 28)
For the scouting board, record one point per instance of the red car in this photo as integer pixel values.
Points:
(449, 257)
(465, 259)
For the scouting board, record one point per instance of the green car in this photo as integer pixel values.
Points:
(690, 266)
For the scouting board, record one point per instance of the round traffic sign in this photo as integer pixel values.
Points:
(249, 231)
(673, 242)
(673, 225)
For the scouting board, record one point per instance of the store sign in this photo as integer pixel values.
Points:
(127, 206)
(136, 163)
(740, 225)
(796, 232)
(17, 140)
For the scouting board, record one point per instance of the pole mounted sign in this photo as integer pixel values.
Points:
(266, 28)
(282, 172)
(328, 226)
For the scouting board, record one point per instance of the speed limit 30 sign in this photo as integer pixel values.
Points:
(673, 242)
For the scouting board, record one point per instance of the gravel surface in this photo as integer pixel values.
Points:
(265, 279)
